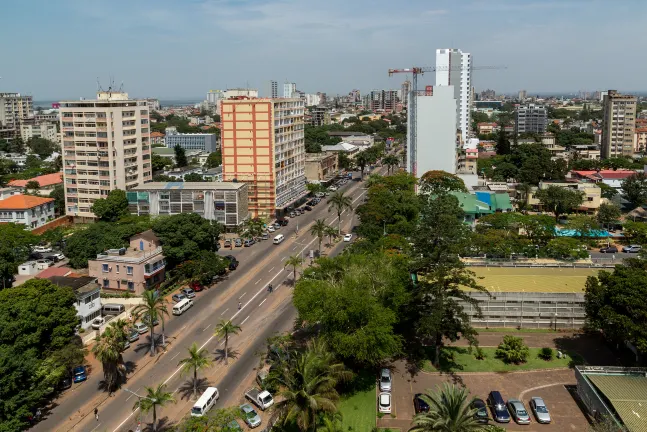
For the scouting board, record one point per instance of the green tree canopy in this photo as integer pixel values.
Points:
(634, 189)
(185, 235)
(42, 147)
(111, 208)
(608, 214)
(59, 199)
(434, 182)
(180, 156)
(214, 159)
(559, 200)
(14, 250)
(193, 177)
(159, 163)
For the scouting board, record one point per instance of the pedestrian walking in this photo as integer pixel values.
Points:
(239, 305)
(96, 414)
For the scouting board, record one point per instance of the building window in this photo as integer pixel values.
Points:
(129, 270)
(105, 268)
(92, 316)
(106, 283)
(117, 268)
(131, 286)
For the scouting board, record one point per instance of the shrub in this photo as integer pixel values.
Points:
(546, 353)
(479, 354)
(512, 350)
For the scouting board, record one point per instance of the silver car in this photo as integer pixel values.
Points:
(250, 416)
(385, 380)
(518, 411)
(540, 410)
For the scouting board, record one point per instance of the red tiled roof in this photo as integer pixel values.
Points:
(44, 180)
(54, 271)
(606, 174)
(157, 134)
(23, 202)
(641, 129)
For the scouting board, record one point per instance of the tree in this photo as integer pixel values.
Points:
(85, 244)
(193, 177)
(610, 302)
(42, 147)
(224, 329)
(32, 185)
(214, 159)
(111, 208)
(159, 163)
(314, 188)
(33, 162)
(584, 226)
(559, 200)
(434, 182)
(203, 267)
(294, 261)
(566, 248)
(449, 411)
(196, 360)
(608, 214)
(180, 156)
(330, 233)
(344, 161)
(38, 321)
(185, 235)
(340, 202)
(512, 350)
(319, 230)
(634, 189)
(59, 199)
(17, 145)
(362, 159)
(608, 192)
(391, 161)
(502, 143)
(14, 249)
(151, 309)
(107, 349)
(218, 420)
(155, 397)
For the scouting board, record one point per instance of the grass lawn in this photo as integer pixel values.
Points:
(463, 361)
(358, 405)
(524, 279)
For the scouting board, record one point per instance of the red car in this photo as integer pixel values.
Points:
(196, 286)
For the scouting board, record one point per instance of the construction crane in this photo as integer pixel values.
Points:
(412, 106)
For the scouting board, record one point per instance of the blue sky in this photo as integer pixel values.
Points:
(182, 48)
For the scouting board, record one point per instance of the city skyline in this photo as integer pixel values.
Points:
(193, 46)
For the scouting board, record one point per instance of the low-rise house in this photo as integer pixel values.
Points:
(134, 269)
(157, 138)
(88, 296)
(321, 167)
(343, 147)
(609, 177)
(30, 211)
(592, 195)
(486, 128)
(46, 182)
(6, 192)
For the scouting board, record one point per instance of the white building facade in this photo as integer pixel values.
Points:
(454, 68)
(39, 130)
(289, 89)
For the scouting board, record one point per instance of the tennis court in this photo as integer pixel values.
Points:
(524, 279)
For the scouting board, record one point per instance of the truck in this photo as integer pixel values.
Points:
(261, 398)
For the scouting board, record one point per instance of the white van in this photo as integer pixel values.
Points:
(279, 238)
(206, 402)
(112, 309)
(181, 306)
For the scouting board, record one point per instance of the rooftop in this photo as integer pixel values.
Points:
(130, 255)
(54, 271)
(156, 134)
(189, 186)
(80, 285)
(23, 202)
(43, 181)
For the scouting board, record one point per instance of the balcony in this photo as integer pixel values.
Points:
(151, 269)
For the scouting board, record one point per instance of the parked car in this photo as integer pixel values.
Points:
(307, 208)
(271, 228)
(277, 226)
(58, 256)
(249, 242)
(233, 262)
(133, 335)
(419, 405)
(65, 383)
(177, 297)
(97, 323)
(540, 410)
(518, 411)
(188, 292)
(238, 242)
(481, 410)
(42, 249)
(332, 188)
(196, 286)
(227, 243)
(632, 249)
(348, 237)
(497, 405)
(36, 255)
(80, 373)
(384, 403)
(261, 398)
(386, 380)
(141, 327)
(284, 222)
(609, 249)
(250, 416)
(233, 426)
(293, 214)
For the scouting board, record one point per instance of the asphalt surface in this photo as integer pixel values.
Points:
(260, 316)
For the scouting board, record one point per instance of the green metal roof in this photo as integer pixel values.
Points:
(470, 205)
(628, 395)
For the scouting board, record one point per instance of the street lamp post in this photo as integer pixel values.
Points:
(139, 398)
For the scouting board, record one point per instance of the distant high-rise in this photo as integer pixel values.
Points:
(106, 146)
(619, 124)
(355, 96)
(382, 100)
(404, 92)
(454, 67)
(14, 108)
(531, 118)
(522, 95)
(272, 90)
(289, 89)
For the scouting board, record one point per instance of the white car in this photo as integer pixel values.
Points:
(332, 188)
(270, 229)
(98, 322)
(348, 237)
(42, 249)
(59, 256)
(141, 327)
(384, 403)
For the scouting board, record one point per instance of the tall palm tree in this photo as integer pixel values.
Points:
(153, 307)
(361, 160)
(196, 360)
(155, 396)
(331, 232)
(108, 349)
(294, 261)
(340, 202)
(224, 329)
(319, 230)
(391, 161)
(449, 411)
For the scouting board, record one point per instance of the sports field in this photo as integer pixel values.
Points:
(520, 279)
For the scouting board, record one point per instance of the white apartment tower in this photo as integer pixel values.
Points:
(272, 89)
(289, 89)
(454, 67)
(106, 146)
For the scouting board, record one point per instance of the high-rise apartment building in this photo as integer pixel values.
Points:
(106, 146)
(454, 67)
(619, 124)
(289, 89)
(531, 118)
(14, 108)
(312, 99)
(47, 130)
(522, 95)
(272, 90)
(404, 92)
(382, 100)
(262, 143)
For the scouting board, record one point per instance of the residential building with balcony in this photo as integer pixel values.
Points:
(134, 269)
(45, 130)
(46, 182)
(618, 125)
(263, 145)
(31, 211)
(106, 146)
(226, 203)
(88, 296)
(321, 167)
(592, 195)
(531, 118)
(14, 109)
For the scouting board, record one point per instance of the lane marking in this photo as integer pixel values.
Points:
(242, 295)
(245, 320)
(175, 356)
(257, 282)
(131, 395)
(223, 312)
(270, 270)
(284, 258)
(206, 328)
(264, 300)
(96, 427)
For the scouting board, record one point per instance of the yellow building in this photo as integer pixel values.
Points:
(592, 195)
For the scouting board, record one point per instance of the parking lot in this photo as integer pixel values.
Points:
(551, 385)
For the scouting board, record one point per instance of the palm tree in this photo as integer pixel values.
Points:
(319, 230)
(196, 360)
(391, 161)
(294, 261)
(108, 349)
(449, 412)
(155, 396)
(361, 160)
(331, 232)
(153, 307)
(331, 424)
(340, 202)
(224, 329)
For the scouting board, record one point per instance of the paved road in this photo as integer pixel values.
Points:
(260, 265)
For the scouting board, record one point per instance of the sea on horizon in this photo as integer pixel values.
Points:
(47, 104)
